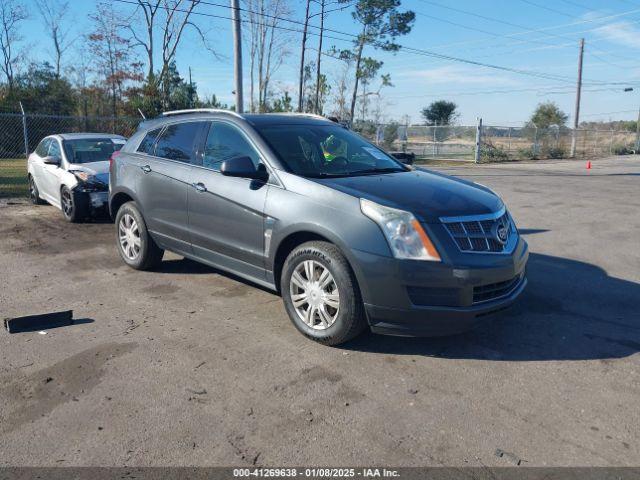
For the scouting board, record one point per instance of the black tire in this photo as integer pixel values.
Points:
(149, 255)
(34, 194)
(71, 210)
(350, 318)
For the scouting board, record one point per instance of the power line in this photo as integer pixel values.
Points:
(422, 52)
(609, 113)
(553, 90)
(527, 30)
(544, 7)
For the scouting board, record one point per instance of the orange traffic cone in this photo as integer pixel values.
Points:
(588, 164)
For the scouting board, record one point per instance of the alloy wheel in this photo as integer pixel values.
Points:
(314, 294)
(129, 235)
(32, 190)
(67, 203)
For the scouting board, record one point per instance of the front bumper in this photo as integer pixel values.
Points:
(417, 298)
(90, 202)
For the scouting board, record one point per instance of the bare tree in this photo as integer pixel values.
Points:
(54, 14)
(12, 14)
(267, 46)
(342, 83)
(112, 51)
(302, 52)
(149, 10)
(163, 22)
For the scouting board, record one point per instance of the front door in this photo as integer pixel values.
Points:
(226, 214)
(52, 174)
(163, 186)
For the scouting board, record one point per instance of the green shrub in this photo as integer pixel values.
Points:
(491, 153)
(527, 153)
(622, 149)
(554, 152)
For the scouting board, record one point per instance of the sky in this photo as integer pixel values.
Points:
(533, 43)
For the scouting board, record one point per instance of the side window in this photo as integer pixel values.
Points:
(54, 149)
(224, 142)
(146, 146)
(177, 141)
(43, 147)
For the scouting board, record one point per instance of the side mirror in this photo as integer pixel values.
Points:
(51, 160)
(405, 157)
(243, 167)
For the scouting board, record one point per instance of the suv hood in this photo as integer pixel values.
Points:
(98, 169)
(428, 195)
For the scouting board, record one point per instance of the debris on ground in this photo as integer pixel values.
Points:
(40, 322)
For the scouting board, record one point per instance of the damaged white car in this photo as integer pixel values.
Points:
(71, 171)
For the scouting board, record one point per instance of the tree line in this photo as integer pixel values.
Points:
(124, 63)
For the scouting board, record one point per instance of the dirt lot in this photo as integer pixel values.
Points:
(188, 366)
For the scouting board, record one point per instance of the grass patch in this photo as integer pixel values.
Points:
(13, 177)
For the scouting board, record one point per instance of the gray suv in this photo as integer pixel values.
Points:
(348, 236)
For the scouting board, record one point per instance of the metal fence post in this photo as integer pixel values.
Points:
(433, 148)
(478, 140)
(24, 132)
(611, 143)
(535, 140)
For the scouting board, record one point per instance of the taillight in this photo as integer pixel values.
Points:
(114, 155)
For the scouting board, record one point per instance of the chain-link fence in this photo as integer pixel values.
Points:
(497, 143)
(21, 133)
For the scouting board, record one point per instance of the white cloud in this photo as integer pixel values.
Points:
(622, 33)
(458, 75)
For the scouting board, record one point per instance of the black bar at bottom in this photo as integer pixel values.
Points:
(32, 323)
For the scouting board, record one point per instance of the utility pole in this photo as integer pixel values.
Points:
(304, 42)
(237, 53)
(638, 133)
(190, 89)
(318, 110)
(576, 115)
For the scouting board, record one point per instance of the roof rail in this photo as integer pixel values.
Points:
(200, 110)
(299, 114)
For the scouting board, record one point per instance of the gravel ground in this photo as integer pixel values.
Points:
(190, 366)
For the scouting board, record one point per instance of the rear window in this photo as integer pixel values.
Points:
(146, 146)
(87, 150)
(177, 141)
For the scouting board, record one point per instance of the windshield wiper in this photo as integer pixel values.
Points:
(373, 171)
(326, 175)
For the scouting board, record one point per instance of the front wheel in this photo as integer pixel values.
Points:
(135, 245)
(321, 294)
(72, 211)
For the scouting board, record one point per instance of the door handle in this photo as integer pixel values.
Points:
(146, 168)
(200, 187)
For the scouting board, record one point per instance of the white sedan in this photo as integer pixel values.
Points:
(71, 171)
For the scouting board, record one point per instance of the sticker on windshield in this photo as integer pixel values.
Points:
(377, 154)
(118, 141)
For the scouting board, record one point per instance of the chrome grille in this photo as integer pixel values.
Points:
(478, 233)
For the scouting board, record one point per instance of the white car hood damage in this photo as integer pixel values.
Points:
(98, 169)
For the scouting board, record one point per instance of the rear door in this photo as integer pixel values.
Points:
(226, 214)
(164, 183)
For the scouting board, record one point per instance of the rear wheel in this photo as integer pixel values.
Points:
(321, 294)
(135, 245)
(34, 194)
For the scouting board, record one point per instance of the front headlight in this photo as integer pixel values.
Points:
(83, 176)
(404, 233)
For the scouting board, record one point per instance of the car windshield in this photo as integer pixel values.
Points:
(327, 151)
(88, 150)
